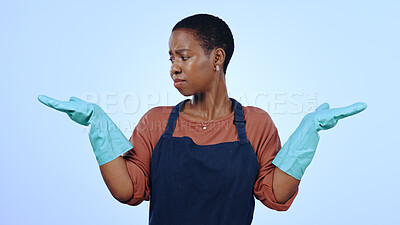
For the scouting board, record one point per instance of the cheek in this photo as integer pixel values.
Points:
(202, 70)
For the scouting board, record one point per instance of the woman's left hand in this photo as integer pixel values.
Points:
(297, 153)
(326, 118)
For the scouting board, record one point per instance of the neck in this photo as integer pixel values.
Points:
(212, 104)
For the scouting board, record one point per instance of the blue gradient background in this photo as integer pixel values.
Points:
(115, 53)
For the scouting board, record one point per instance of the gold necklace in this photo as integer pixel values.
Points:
(205, 125)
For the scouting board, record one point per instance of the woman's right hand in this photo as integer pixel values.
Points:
(106, 138)
(77, 109)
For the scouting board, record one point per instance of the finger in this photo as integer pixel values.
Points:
(322, 107)
(47, 100)
(350, 110)
(54, 103)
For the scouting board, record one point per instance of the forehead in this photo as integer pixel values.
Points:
(182, 39)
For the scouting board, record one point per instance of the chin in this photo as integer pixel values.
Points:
(186, 94)
(189, 91)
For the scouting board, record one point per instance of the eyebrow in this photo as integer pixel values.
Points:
(179, 51)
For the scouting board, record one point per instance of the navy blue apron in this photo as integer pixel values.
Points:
(202, 184)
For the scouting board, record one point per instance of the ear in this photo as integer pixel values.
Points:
(219, 57)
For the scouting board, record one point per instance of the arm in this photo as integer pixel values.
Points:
(284, 186)
(274, 188)
(107, 141)
(116, 177)
(298, 151)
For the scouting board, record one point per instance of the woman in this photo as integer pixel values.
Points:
(201, 161)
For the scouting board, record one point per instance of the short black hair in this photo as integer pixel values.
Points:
(211, 31)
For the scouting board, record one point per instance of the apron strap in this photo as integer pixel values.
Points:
(169, 130)
(239, 121)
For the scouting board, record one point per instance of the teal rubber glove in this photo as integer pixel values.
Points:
(297, 153)
(106, 138)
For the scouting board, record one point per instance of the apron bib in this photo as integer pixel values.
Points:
(194, 184)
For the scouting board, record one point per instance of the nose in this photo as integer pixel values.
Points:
(175, 69)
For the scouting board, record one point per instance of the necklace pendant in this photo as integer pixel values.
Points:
(204, 127)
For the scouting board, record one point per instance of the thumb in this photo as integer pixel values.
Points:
(75, 99)
(322, 107)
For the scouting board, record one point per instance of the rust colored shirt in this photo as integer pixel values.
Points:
(260, 130)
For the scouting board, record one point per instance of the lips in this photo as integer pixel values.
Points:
(179, 82)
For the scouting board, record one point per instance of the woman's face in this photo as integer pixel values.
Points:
(192, 70)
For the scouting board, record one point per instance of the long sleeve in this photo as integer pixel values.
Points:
(138, 160)
(266, 142)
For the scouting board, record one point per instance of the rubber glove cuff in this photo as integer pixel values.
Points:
(298, 151)
(107, 140)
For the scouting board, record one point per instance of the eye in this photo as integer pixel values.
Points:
(184, 58)
(171, 59)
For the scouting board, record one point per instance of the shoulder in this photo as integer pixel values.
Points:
(158, 111)
(257, 117)
(259, 124)
(261, 132)
(154, 118)
(252, 110)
